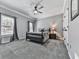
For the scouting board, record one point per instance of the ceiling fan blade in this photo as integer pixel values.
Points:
(39, 12)
(41, 7)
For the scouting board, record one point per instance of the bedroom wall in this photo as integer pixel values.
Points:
(46, 22)
(21, 22)
(74, 36)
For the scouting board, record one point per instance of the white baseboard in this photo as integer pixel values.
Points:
(67, 49)
(76, 56)
(22, 38)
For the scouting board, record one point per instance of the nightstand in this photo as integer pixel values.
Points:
(52, 36)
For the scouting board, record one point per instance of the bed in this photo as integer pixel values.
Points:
(39, 37)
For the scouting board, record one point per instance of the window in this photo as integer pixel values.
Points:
(30, 26)
(7, 25)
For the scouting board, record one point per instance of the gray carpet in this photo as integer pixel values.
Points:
(22, 49)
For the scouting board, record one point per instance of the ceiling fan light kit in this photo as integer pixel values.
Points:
(37, 7)
(35, 12)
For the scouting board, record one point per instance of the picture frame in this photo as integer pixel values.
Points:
(74, 9)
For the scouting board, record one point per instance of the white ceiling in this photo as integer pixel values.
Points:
(51, 7)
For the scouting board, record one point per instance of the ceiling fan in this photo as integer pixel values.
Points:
(37, 7)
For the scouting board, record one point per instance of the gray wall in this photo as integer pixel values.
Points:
(72, 43)
(46, 22)
(21, 22)
(74, 35)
